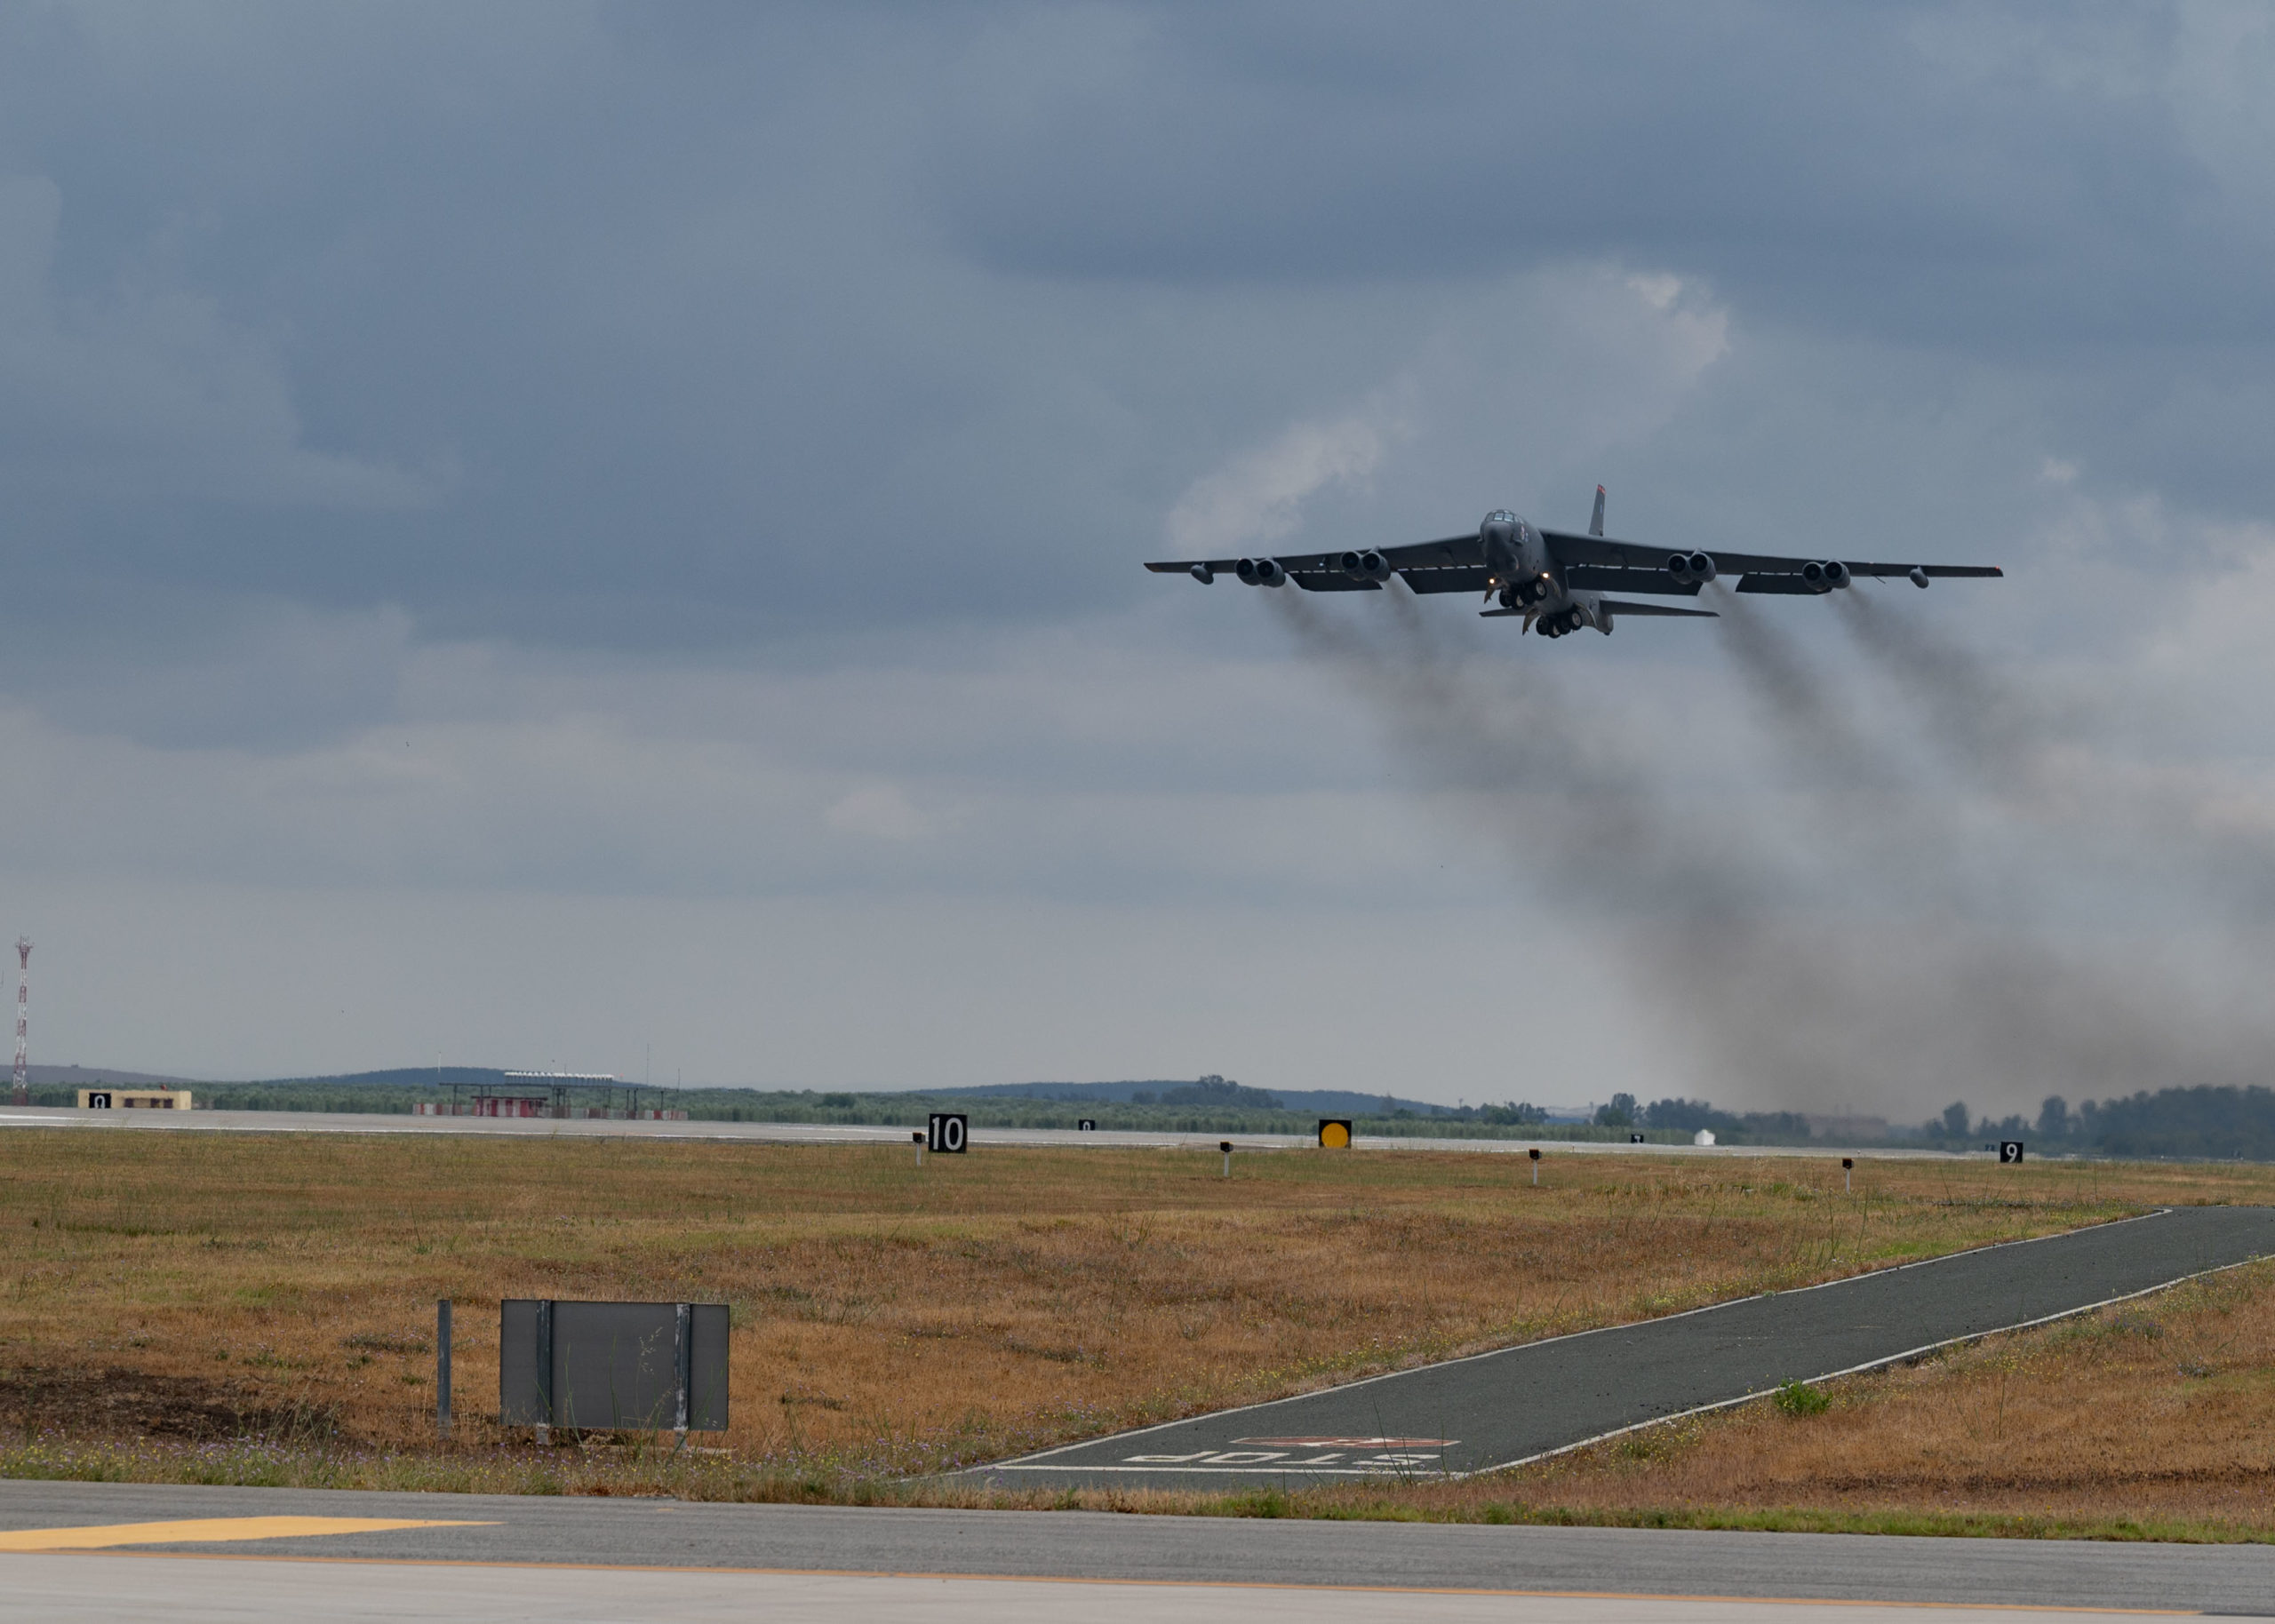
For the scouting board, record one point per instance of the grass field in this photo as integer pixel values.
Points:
(260, 1308)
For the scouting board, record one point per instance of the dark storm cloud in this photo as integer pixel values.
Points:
(2005, 180)
(719, 327)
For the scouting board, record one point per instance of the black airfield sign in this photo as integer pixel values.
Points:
(946, 1131)
(2010, 1149)
(1088, 1125)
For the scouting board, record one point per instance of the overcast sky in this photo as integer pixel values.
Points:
(607, 537)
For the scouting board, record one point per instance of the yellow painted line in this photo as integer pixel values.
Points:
(104, 1535)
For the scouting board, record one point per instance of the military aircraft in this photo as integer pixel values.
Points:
(1555, 580)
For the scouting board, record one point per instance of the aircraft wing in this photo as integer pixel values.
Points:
(1591, 564)
(1454, 564)
(1631, 567)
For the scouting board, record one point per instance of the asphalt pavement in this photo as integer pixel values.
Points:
(450, 1557)
(1517, 1404)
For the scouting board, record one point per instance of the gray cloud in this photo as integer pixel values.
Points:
(555, 461)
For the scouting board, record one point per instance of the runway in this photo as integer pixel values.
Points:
(1506, 1407)
(482, 1556)
(827, 1133)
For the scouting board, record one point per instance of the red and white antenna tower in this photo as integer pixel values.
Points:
(23, 1011)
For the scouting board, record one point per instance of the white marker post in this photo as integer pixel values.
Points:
(1535, 1154)
(1846, 1166)
(1226, 1145)
(919, 1138)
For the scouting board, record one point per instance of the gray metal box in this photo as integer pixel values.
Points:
(616, 1366)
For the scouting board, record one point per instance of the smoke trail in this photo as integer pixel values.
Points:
(1973, 978)
(2044, 759)
(1914, 999)
(1993, 989)
(1582, 824)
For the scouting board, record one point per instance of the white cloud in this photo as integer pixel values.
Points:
(1258, 496)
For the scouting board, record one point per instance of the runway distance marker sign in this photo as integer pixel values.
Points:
(2010, 1149)
(948, 1132)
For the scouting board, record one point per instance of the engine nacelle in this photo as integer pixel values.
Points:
(1813, 574)
(1376, 565)
(1702, 567)
(1261, 573)
(1836, 573)
(1679, 567)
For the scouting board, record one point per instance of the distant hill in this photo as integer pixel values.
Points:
(1319, 1101)
(91, 1077)
(399, 1076)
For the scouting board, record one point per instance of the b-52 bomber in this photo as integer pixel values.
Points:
(1557, 581)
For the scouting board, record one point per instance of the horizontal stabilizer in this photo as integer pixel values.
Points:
(1622, 609)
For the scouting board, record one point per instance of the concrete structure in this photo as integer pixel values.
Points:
(556, 1095)
(133, 1099)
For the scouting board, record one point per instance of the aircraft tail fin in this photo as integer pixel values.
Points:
(1595, 524)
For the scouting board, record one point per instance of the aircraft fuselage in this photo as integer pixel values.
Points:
(1525, 576)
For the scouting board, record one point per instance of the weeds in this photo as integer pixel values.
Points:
(1798, 1398)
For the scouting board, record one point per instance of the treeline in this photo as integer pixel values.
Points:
(1210, 1106)
(1683, 1118)
(2189, 1124)
(2202, 1124)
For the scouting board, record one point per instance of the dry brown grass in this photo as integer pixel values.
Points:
(890, 1318)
